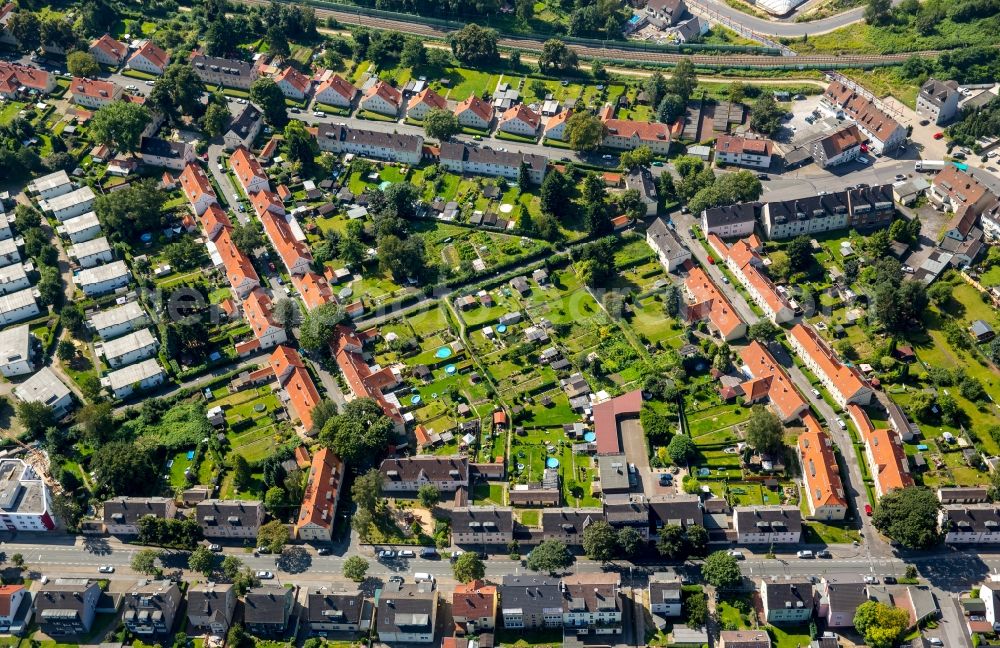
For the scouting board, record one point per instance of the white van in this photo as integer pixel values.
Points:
(423, 577)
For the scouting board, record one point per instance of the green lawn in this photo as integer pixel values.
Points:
(9, 111)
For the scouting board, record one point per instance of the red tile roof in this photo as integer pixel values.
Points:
(298, 385)
(258, 309)
(359, 376)
(711, 303)
(294, 253)
(246, 168)
(313, 288)
(214, 220)
(606, 416)
(429, 97)
(153, 54)
(474, 600)
(110, 47)
(644, 131)
(556, 119)
(94, 88)
(820, 471)
(480, 108)
(386, 91)
(195, 183)
(294, 78)
(237, 265)
(319, 503)
(846, 379)
(523, 113)
(14, 75)
(777, 386)
(340, 85)
(891, 468)
(739, 145)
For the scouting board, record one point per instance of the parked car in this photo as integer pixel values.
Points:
(387, 554)
(938, 136)
(805, 553)
(429, 553)
(924, 122)
(900, 176)
(868, 510)
(840, 422)
(816, 393)
(607, 157)
(395, 579)
(263, 549)
(106, 569)
(265, 575)
(323, 551)
(666, 479)
(824, 553)
(407, 553)
(736, 553)
(891, 580)
(215, 547)
(871, 580)
(150, 83)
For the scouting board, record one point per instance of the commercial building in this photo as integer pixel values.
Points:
(46, 388)
(669, 249)
(230, 518)
(144, 375)
(15, 351)
(766, 525)
(25, 500)
(122, 514)
(150, 607)
(103, 279)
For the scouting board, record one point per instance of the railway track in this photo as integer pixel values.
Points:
(527, 43)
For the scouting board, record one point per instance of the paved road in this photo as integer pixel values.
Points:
(718, 11)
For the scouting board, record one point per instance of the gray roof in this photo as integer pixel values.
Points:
(237, 66)
(242, 513)
(268, 604)
(325, 606)
(787, 595)
(844, 593)
(42, 387)
(162, 148)
(406, 608)
(129, 510)
(163, 595)
(963, 494)
(665, 240)
(768, 519)
(119, 315)
(938, 92)
(738, 213)
(209, 600)
(395, 141)
(432, 467)
(808, 207)
(530, 594)
(641, 179)
(969, 518)
(678, 509)
(15, 344)
(246, 120)
(133, 374)
(624, 510)
(61, 594)
(482, 519)
(979, 327)
(564, 521)
(482, 155)
(613, 471)
(664, 591)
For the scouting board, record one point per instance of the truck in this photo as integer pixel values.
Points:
(929, 165)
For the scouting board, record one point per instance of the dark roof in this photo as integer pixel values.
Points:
(234, 65)
(395, 141)
(406, 608)
(845, 594)
(267, 604)
(569, 520)
(209, 600)
(768, 519)
(161, 147)
(971, 518)
(482, 519)
(664, 591)
(874, 197)
(482, 155)
(432, 467)
(531, 594)
(787, 595)
(593, 593)
(801, 209)
(680, 509)
(246, 120)
(128, 510)
(324, 606)
(225, 513)
(65, 594)
(626, 511)
(959, 494)
(665, 239)
(163, 595)
(738, 213)
(937, 92)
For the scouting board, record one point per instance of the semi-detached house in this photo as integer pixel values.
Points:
(197, 188)
(129, 348)
(67, 205)
(820, 474)
(149, 59)
(94, 93)
(81, 228)
(239, 270)
(474, 113)
(407, 613)
(293, 84)
(336, 91)
(382, 98)
(844, 383)
(108, 51)
(669, 248)
(704, 301)
(249, 173)
(423, 102)
(91, 253)
(141, 376)
(111, 323)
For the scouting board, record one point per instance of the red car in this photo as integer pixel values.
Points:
(864, 148)
(868, 510)
(711, 259)
(938, 135)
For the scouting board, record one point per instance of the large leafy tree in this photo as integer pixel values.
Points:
(265, 93)
(671, 542)
(600, 541)
(360, 434)
(766, 114)
(881, 625)
(120, 125)
(682, 449)
(721, 570)
(144, 561)
(26, 27)
(401, 257)
(764, 431)
(469, 567)
(273, 535)
(584, 131)
(550, 556)
(474, 44)
(300, 145)
(35, 416)
(909, 517)
(82, 64)
(441, 124)
(178, 91)
(202, 561)
(215, 119)
(121, 468)
(367, 490)
(318, 325)
(133, 210)
(355, 568)
(556, 55)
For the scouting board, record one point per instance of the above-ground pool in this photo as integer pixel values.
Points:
(551, 462)
(190, 455)
(385, 184)
(590, 437)
(443, 352)
(501, 328)
(922, 447)
(450, 369)
(415, 399)
(146, 238)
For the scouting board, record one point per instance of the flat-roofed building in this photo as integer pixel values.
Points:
(25, 500)
(129, 348)
(93, 252)
(14, 278)
(46, 388)
(67, 205)
(103, 279)
(15, 351)
(18, 306)
(144, 375)
(48, 186)
(82, 228)
(117, 321)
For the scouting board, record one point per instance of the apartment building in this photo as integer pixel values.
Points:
(821, 475)
(408, 474)
(122, 514)
(150, 607)
(845, 384)
(94, 93)
(745, 151)
(482, 525)
(141, 376)
(45, 387)
(230, 518)
(463, 158)
(108, 51)
(731, 221)
(938, 100)
(25, 499)
(16, 345)
(669, 249)
(395, 147)
(704, 301)
(767, 524)
(231, 73)
(475, 113)
(336, 91)
(149, 58)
